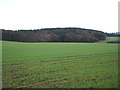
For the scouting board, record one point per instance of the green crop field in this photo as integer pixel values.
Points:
(109, 39)
(60, 65)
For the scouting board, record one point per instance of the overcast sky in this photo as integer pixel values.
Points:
(35, 14)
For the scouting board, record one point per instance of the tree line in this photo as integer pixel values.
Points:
(54, 35)
(115, 34)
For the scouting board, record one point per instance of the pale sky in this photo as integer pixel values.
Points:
(35, 14)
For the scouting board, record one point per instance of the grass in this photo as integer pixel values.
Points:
(110, 39)
(60, 65)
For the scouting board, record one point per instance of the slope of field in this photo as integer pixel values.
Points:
(110, 39)
(60, 65)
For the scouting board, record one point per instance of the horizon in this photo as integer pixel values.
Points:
(59, 27)
(38, 14)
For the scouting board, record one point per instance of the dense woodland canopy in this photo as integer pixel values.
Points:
(54, 35)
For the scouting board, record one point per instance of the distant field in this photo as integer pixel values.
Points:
(60, 65)
(108, 39)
